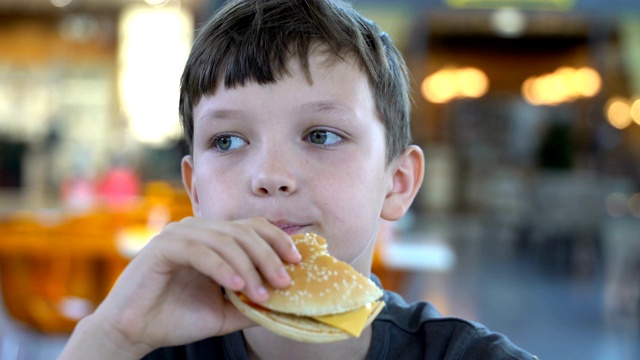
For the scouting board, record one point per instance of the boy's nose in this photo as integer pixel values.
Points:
(273, 176)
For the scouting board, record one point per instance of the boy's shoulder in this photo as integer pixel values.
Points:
(417, 330)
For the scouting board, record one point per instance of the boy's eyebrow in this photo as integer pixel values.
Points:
(322, 106)
(224, 113)
(326, 106)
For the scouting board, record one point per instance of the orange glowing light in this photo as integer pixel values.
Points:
(635, 111)
(450, 83)
(586, 82)
(563, 85)
(618, 112)
(472, 82)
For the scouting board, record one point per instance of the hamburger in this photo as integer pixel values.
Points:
(327, 299)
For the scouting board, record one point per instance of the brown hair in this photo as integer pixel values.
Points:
(253, 40)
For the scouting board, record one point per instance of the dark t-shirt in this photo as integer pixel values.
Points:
(401, 331)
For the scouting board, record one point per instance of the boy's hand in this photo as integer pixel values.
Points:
(170, 293)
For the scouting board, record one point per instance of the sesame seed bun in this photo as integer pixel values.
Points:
(320, 285)
(300, 328)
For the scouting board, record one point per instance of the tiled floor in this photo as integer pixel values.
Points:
(546, 308)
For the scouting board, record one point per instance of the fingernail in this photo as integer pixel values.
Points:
(237, 282)
(262, 293)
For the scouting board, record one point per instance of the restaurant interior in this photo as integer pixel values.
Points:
(528, 112)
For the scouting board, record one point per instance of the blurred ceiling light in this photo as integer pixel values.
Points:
(508, 22)
(586, 82)
(450, 83)
(439, 87)
(635, 111)
(531, 90)
(153, 47)
(527, 90)
(618, 112)
(543, 90)
(563, 85)
(554, 89)
(472, 82)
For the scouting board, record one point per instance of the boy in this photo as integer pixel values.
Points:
(297, 114)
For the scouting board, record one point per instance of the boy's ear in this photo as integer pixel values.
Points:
(407, 173)
(190, 184)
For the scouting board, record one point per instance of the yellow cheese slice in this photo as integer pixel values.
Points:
(352, 322)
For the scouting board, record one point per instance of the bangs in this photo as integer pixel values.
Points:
(258, 46)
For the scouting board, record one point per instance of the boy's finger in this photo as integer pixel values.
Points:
(234, 254)
(222, 238)
(252, 256)
(225, 240)
(245, 247)
(278, 239)
(257, 243)
(199, 256)
(214, 254)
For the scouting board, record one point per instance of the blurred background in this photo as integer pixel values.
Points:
(528, 111)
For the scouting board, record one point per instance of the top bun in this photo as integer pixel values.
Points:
(320, 283)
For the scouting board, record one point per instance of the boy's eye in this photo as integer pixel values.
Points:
(323, 137)
(228, 142)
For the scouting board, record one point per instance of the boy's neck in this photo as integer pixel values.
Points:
(362, 263)
(265, 345)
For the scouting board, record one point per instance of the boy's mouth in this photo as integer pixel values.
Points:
(289, 228)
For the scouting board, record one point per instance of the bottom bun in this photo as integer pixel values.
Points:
(300, 328)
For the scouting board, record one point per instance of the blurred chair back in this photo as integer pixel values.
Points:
(56, 267)
(55, 270)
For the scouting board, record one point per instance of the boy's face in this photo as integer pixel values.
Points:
(307, 157)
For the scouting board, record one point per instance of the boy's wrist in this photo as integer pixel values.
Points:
(93, 338)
